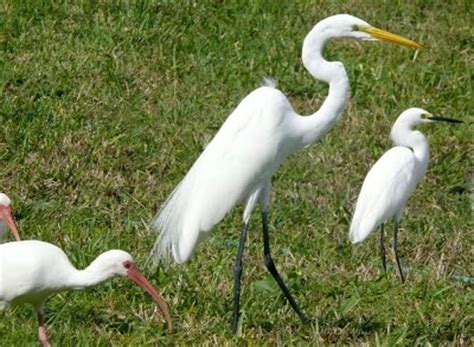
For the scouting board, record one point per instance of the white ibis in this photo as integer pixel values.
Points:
(6, 219)
(33, 270)
(238, 164)
(393, 178)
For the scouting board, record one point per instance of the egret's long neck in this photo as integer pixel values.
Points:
(313, 127)
(403, 134)
(91, 276)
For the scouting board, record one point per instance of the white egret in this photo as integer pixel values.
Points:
(6, 219)
(392, 179)
(33, 270)
(237, 165)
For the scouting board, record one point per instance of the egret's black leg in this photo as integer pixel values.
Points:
(237, 276)
(271, 267)
(382, 249)
(395, 232)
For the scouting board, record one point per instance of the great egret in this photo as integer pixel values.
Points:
(6, 219)
(237, 165)
(33, 270)
(392, 179)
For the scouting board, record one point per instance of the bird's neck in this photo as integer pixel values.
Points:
(91, 276)
(403, 134)
(313, 127)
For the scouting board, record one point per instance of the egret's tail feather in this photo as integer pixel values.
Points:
(361, 227)
(167, 224)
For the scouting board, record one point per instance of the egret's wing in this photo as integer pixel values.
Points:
(384, 192)
(242, 154)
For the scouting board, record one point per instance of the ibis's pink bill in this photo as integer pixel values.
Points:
(7, 217)
(136, 276)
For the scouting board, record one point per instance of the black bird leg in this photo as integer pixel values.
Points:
(382, 249)
(237, 276)
(395, 241)
(271, 267)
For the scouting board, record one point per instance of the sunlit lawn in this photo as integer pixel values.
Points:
(105, 107)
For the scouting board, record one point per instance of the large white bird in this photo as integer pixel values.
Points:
(30, 271)
(6, 219)
(239, 162)
(392, 179)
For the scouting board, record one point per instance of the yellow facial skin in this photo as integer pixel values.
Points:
(426, 116)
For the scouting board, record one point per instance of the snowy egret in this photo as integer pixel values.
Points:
(33, 270)
(237, 165)
(392, 179)
(6, 219)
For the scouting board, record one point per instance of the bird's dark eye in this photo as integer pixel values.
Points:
(355, 27)
(127, 264)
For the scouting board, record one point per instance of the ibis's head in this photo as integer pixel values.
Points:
(6, 217)
(120, 263)
(345, 25)
(417, 116)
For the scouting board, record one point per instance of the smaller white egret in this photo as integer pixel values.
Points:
(6, 219)
(33, 270)
(392, 179)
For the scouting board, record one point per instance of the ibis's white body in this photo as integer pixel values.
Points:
(30, 271)
(393, 178)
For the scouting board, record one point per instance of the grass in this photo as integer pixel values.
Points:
(104, 107)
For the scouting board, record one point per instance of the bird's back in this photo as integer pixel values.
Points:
(384, 192)
(30, 271)
(244, 153)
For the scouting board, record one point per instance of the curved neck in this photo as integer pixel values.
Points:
(403, 134)
(313, 127)
(91, 276)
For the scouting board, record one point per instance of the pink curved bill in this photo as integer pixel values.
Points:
(136, 276)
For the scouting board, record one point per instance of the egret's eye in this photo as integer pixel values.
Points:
(355, 27)
(425, 115)
(127, 264)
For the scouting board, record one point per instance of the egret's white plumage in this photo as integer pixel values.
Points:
(393, 178)
(31, 271)
(239, 162)
(235, 165)
(6, 219)
(385, 191)
(262, 131)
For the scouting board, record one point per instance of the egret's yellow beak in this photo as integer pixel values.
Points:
(386, 36)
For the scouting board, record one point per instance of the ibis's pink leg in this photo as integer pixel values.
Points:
(42, 332)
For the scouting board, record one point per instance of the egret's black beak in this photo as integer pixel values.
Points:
(444, 119)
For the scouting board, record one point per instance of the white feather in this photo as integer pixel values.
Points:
(384, 192)
(240, 156)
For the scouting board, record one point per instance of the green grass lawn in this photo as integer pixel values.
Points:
(105, 107)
